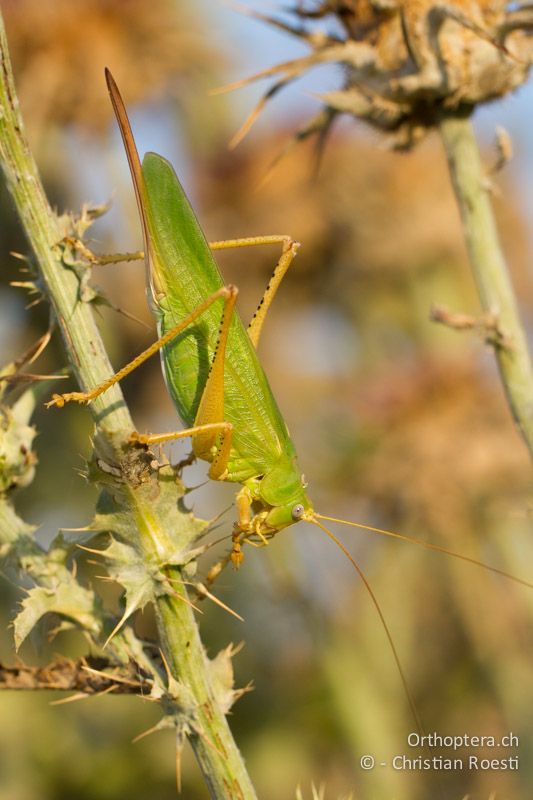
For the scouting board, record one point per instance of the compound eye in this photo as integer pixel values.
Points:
(297, 512)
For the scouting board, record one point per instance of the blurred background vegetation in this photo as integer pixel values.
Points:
(399, 422)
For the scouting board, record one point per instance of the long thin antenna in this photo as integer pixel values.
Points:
(377, 606)
(437, 548)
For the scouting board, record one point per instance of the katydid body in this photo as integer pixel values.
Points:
(209, 359)
(211, 368)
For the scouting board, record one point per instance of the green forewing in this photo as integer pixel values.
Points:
(183, 273)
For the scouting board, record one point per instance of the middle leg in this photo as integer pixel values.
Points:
(289, 248)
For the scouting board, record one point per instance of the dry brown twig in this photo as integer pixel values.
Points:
(89, 676)
(486, 324)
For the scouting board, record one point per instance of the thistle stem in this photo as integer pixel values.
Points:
(219, 758)
(489, 268)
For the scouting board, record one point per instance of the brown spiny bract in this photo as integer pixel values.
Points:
(407, 60)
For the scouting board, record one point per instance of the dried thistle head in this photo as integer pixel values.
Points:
(405, 61)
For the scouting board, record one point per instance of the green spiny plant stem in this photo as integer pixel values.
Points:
(215, 748)
(83, 343)
(489, 268)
